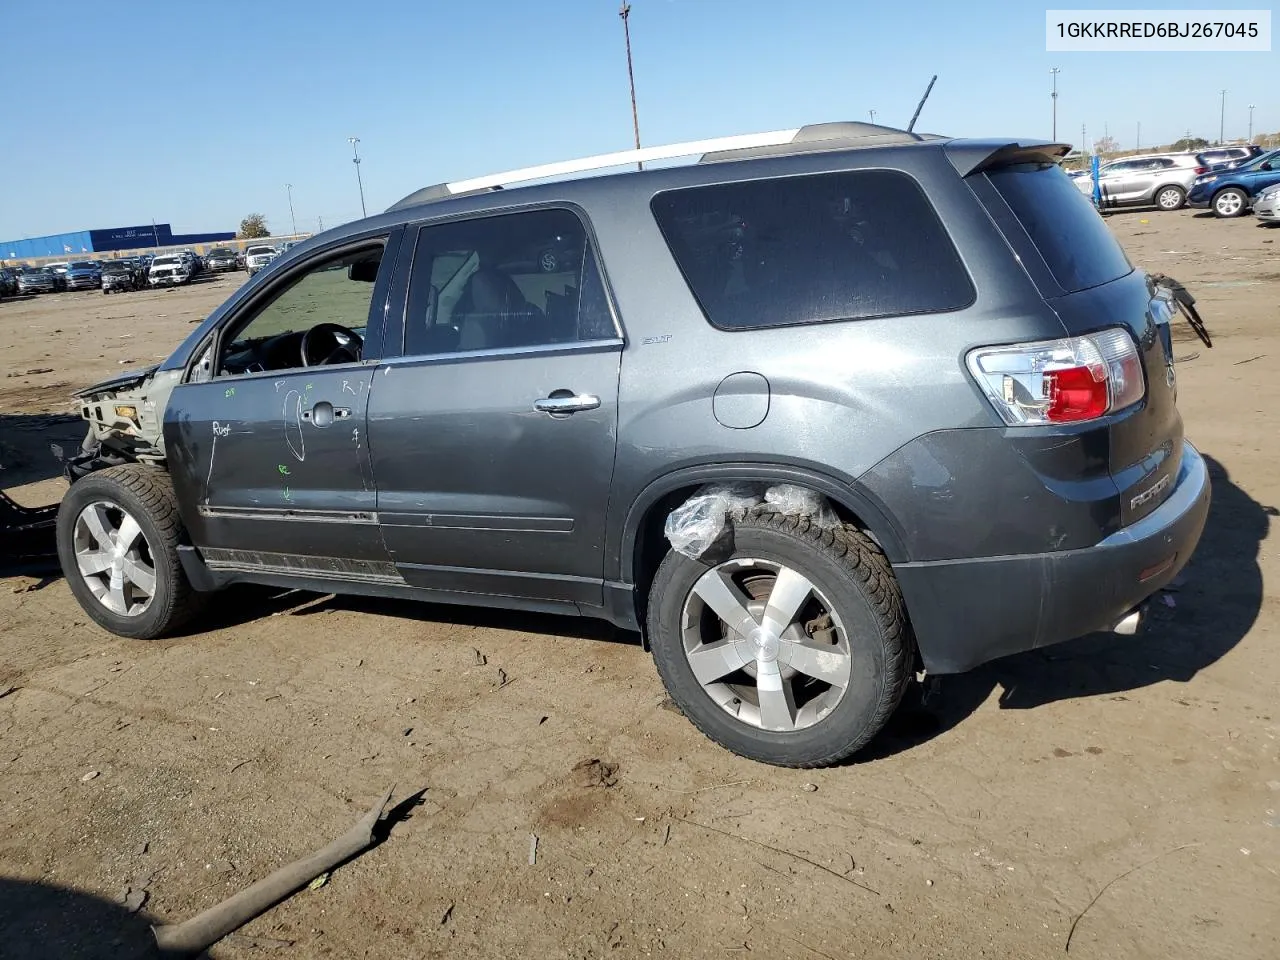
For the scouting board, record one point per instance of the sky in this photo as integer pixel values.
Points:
(198, 114)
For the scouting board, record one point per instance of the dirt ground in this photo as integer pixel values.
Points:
(1128, 788)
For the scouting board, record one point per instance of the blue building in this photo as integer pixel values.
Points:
(83, 242)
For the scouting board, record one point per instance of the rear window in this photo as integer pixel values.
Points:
(1074, 241)
(841, 246)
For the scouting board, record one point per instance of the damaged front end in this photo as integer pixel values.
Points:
(126, 421)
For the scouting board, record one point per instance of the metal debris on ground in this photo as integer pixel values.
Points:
(533, 850)
(207, 928)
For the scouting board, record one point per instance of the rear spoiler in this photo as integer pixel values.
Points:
(974, 156)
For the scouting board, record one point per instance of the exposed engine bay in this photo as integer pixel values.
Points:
(126, 420)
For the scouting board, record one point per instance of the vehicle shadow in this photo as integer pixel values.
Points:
(24, 445)
(1189, 628)
(43, 922)
(245, 603)
(18, 297)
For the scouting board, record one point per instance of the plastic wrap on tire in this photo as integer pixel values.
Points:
(701, 520)
(792, 501)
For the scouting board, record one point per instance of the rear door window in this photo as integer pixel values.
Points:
(506, 282)
(1074, 242)
(840, 246)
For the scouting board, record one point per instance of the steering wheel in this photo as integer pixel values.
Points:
(349, 352)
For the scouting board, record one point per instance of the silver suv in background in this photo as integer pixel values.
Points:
(1225, 158)
(1160, 180)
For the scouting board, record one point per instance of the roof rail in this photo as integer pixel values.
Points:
(605, 160)
(811, 137)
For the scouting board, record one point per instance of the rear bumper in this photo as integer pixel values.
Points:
(967, 612)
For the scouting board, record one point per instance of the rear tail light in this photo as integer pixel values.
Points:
(1061, 381)
(1201, 170)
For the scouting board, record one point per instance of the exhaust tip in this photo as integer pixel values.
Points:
(1128, 625)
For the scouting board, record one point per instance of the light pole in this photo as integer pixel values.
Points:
(625, 14)
(873, 116)
(359, 182)
(1222, 119)
(1054, 71)
(1251, 123)
(1137, 144)
(289, 187)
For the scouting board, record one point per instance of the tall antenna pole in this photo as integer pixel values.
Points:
(920, 106)
(1222, 119)
(1054, 96)
(1251, 123)
(625, 14)
(289, 187)
(359, 182)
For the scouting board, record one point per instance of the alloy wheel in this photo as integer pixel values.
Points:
(114, 558)
(1228, 204)
(765, 645)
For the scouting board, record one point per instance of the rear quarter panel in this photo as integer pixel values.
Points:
(842, 396)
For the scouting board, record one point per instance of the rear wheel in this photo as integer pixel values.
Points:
(1231, 202)
(1170, 198)
(118, 535)
(794, 650)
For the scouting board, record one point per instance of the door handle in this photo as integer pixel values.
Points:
(324, 413)
(564, 402)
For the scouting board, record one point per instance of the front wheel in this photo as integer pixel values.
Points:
(118, 533)
(1231, 202)
(1171, 198)
(793, 650)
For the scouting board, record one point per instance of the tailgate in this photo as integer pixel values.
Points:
(1145, 441)
(1083, 274)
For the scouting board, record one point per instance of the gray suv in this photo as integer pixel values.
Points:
(828, 407)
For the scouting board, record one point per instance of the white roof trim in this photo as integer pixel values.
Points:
(606, 160)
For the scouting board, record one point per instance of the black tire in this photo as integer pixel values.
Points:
(147, 494)
(853, 575)
(1170, 197)
(1233, 200)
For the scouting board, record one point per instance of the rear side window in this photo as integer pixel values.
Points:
(841, 246)
(505, 282)
(1075, 244)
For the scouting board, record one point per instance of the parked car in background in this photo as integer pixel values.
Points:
(1160, 180)
(59, 272)
(168, 272)
(257, 257)
(38, 280)
(220, 259)
(8, 282)
(1230, 193)
(1266, 206)
(119, 276)
(1225, 158)
(84, 275)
